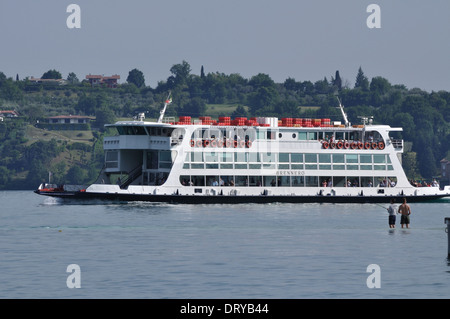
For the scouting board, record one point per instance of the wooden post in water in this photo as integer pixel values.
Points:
(447, 230)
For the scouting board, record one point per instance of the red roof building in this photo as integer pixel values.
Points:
(109, 81)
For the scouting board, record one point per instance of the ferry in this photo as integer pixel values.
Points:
(255, 160)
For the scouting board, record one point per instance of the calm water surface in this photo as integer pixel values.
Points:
(144, 250)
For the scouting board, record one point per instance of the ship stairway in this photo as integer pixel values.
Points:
(132, 176)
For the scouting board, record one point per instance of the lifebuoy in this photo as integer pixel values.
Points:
(354, 145)
(192, 143)
(228, 143)
(360, 145)
(235, 143)
(206, 143)
(374, 145)
(381, 145)
(346, 145)
(332, 145)
(199, 143)
(213, 143)
(220, 143)
(325, 144)
(249, 144)
(339, 144)
(367, 145)
(242, 144)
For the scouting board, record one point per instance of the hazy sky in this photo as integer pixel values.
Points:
(305, 40)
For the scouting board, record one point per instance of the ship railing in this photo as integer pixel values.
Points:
(397, 143)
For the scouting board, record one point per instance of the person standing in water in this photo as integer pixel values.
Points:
(392, 210)
(405, 210)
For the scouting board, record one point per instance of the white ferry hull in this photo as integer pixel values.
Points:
(238, 199)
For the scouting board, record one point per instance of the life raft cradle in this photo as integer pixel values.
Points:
(353, 145)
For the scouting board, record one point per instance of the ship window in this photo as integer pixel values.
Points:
(284, 166)
(366, 181)
(254, 157)
(112, 156)
(240, 157)
(379, 158)
(187, 158)
(284, 181)
(310, 166)
(211, 157)
(311, 181)
(185, 180)
(212, 180)
(283, 157)
(269, 157)
(254, 166)
(339, 181)
(352, 167)
(339, 167)
(196, 157)
(324, 158)
(255, 181)
(365, 158)
(379, 167)
(297, 181)
(240, 166)
(271, 135)
(241, 180)
(296, 166)
(186, 166)
(152, 160)
(380, 181)
(165, 159)
(197, 166)
(392, 181)
(340, 136)
(270, 181)
(312, 136)
(325, 181)
(227, 157)
(310, 158)
(198, 180)
(351, 158)
(326, 167)
(226, 166)
(212, 166)
(302, 136)
(260, 134)
(297, 158)
(227, 180)
(338, 158)
(391, 168)
(365, 167)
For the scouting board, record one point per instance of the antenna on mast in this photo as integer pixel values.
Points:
(167, 102)
(343, 113)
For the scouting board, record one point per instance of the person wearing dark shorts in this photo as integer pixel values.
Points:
(392, 210)
(405, 210)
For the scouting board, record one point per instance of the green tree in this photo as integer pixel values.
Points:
(104, 116)
(51, 74)
(180, 73)
(361, 80)
(75, 175)
(72, 78)
(136, 77)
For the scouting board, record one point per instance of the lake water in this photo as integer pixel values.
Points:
(283, 251)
